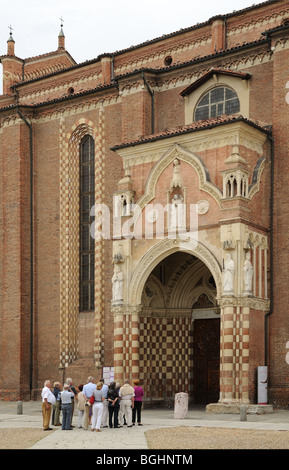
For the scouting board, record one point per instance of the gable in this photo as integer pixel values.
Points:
(213, 73)
(238, 82)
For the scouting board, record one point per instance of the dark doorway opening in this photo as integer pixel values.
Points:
(206, 350)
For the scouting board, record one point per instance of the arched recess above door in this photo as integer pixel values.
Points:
(159, 252)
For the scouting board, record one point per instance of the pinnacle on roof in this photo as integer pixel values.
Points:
(10, 44)
(61, 33)
(10, 39)
(61, 36)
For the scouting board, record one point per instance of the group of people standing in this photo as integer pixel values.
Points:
(99, 405)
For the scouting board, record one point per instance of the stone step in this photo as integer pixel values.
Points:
(234, 408)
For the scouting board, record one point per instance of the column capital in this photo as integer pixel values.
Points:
(124, 309)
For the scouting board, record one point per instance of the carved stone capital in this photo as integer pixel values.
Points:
(251, 302)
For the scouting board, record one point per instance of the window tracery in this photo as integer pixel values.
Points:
(215, 102)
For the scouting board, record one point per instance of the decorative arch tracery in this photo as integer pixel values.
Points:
(183, 288)
(184, 155)
(159, 252)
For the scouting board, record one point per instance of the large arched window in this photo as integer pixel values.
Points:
(219, 100)
(87, 200)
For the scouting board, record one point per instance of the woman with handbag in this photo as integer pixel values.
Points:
(97, 399)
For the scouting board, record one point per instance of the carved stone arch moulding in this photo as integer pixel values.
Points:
(184, 155)
(153, 293)
(189, 289)
(81, 128)
(162, 250)
(183, 287)
(197, 295)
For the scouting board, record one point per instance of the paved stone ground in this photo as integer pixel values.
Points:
(184, 438)
(200, 430)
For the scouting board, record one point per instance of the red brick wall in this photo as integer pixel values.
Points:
(257, 350)
(15, 312)
(254, 22)
(279, 320)
(261, 91)
(46, 138)
(126, 119)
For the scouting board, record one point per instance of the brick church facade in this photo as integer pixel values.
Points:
(144, 226)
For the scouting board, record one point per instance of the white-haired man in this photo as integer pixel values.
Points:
(87, 391)
(126, 394)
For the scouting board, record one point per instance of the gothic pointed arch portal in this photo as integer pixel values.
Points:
(179, 331)
(172, 289)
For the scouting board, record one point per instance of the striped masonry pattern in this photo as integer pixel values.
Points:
(234, 350)
(165, 355)
(69, 239)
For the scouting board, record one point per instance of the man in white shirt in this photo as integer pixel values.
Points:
(48, 399)
(87, 391)
(105, 405)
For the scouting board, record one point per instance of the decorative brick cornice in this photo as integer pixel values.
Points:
(258, 21)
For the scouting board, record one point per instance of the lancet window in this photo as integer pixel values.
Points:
(87, 200)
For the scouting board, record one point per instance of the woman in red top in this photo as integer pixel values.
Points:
(136, 411)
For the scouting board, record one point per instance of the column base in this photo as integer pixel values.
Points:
(234, 408)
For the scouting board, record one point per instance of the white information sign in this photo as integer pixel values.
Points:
(108, 374)
(262, 385)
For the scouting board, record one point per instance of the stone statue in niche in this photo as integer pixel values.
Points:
(176, 180)
(248, 274)
(177, 214)
(117, 284)
(228, 276)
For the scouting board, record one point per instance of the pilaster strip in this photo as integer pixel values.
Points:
(69, 235)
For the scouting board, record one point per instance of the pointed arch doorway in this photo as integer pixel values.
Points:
(179, 331)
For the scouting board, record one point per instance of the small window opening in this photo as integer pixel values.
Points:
(168, 61)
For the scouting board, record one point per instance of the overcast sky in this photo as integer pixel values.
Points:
(93, 27)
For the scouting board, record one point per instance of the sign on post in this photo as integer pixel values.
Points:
(262, 385)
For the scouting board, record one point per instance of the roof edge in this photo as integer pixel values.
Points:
(195, 127)
(214, 71)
